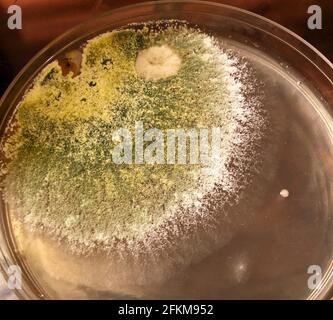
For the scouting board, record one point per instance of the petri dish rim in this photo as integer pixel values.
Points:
(146, 10)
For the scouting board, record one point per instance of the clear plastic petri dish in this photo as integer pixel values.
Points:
(284, 250)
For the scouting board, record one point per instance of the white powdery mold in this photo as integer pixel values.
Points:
(157, 62)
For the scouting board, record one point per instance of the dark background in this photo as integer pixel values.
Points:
(43, 20)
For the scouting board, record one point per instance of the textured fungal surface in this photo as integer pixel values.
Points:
(59, 172)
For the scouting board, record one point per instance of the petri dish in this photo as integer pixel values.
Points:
(285, 242)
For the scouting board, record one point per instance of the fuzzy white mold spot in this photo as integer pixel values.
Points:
(157, 62)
